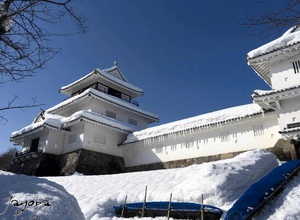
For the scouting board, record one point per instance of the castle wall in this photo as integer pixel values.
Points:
(252, 133)
(52, 143)
(282, 72)
(121, 114)
(289, 112)
(103, 140)
(74, 140)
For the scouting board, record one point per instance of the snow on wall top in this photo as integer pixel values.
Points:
(259, 93)
(220, 116)
(60, 122)
(112, 99)
(105, 73)
(290, 37)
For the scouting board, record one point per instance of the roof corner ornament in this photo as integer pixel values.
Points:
(115, 63)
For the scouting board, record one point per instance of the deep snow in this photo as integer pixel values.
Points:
(221, 183)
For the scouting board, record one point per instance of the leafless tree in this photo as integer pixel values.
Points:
(6, 158)
(26, 31)
(285, 16)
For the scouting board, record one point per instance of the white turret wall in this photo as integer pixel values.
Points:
(251, 133)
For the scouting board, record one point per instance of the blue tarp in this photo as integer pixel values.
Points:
(257, 193)
(175, 206)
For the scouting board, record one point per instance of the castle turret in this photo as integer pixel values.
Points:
(278, 64)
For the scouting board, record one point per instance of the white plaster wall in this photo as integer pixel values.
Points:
(282, 73)
(112, 139)
(204, 142)
(121, 114)
(289, 112)
(42, 135)
(53, 143)
(82, 105)
(77, 132)
(50, 141)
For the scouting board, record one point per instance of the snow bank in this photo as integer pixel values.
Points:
(290, 37)
(35, 198)
(220, 182)
(220, 116)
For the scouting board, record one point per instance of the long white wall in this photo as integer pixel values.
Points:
(252, 133)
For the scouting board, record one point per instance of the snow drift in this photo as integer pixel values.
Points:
(220, 182)
(27, 197)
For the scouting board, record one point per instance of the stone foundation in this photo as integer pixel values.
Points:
(93, 163)
(26, 164)
(81, 161)
(284, 150)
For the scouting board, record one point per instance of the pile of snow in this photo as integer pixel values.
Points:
(220, 116)
(221, 184)
(290, 37)
(27, 197)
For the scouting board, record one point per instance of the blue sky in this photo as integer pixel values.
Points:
(189, 57)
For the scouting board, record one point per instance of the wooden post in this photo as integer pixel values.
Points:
(202, 208)
(169, 207)
(144, 205)
(123, 208)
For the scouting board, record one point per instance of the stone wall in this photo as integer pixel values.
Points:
(81, 161)
(26, 164)
(284, 150)
(93, 163)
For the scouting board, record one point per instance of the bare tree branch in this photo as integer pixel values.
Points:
(11, 105)
(286, 16)
(25, 44)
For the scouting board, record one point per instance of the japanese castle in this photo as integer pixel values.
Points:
(101, 129)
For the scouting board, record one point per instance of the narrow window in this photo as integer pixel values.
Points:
(125, 97)
(111, 114)
(99, 138)
(225, 136)
(132, 121)
(159, 150)
(72, 138)
(103, 88)
(296, 66)
(258, 130)
(189, 143)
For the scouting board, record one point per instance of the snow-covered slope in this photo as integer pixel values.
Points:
(221, 183)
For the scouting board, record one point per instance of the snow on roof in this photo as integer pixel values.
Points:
(260, 93)
(290, 37)
(60, 122)
(220, 116)
(111, 99)
(105, 74)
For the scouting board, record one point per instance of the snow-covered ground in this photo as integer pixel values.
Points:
(221, 183)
